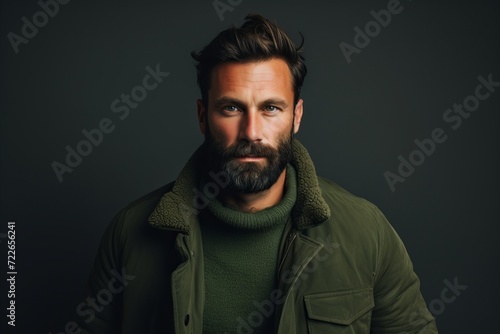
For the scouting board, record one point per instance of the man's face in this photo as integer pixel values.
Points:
(249, 122)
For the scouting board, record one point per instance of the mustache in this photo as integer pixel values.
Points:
(244, 149)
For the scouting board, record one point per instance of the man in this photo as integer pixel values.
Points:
(248, 239)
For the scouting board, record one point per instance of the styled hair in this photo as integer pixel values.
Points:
(258, 39)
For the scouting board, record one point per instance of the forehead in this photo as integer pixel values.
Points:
(271, 76)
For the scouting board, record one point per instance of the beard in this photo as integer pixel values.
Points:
(248, 177)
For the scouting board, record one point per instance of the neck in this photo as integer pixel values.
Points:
(257, 201)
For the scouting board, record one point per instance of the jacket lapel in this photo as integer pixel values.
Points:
(299, 251)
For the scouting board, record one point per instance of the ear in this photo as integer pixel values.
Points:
(201, 116)
(299, 110)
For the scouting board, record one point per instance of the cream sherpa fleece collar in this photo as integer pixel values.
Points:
(176, 209)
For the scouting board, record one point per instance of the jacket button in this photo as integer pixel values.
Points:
(186, 320)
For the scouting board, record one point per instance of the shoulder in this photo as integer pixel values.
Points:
(143, 206)
(341, 199)
(135, 215)
(351, 214)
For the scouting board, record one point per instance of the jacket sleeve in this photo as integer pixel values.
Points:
(399, 305)
(100, 309)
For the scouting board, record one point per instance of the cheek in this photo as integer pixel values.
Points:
(222, 131)
(280, 130)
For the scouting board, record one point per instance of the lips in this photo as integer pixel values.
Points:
(249, 157)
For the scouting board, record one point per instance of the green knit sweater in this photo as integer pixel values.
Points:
(241, 258)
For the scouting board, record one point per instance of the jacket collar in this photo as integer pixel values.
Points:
(178, 210)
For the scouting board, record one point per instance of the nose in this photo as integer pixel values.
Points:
(251, 127)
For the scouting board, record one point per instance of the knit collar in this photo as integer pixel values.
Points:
(179, 207)
(262, 220)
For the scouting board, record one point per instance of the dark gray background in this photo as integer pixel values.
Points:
(358, 118)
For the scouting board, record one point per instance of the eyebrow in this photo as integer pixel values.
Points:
(271, 101)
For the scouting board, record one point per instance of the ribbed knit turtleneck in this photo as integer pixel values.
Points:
(241, 256)
(261, 220)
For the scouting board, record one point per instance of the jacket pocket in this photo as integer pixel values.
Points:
(339, 312)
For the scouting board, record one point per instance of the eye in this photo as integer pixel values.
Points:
(271, 109)
(230, 108)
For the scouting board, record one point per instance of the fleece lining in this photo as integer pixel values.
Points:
(178, 210)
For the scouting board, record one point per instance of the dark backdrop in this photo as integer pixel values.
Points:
(359, 117)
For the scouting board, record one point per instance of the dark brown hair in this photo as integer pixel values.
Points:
(257, 39)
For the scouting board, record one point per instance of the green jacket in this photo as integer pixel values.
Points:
(342, 268)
